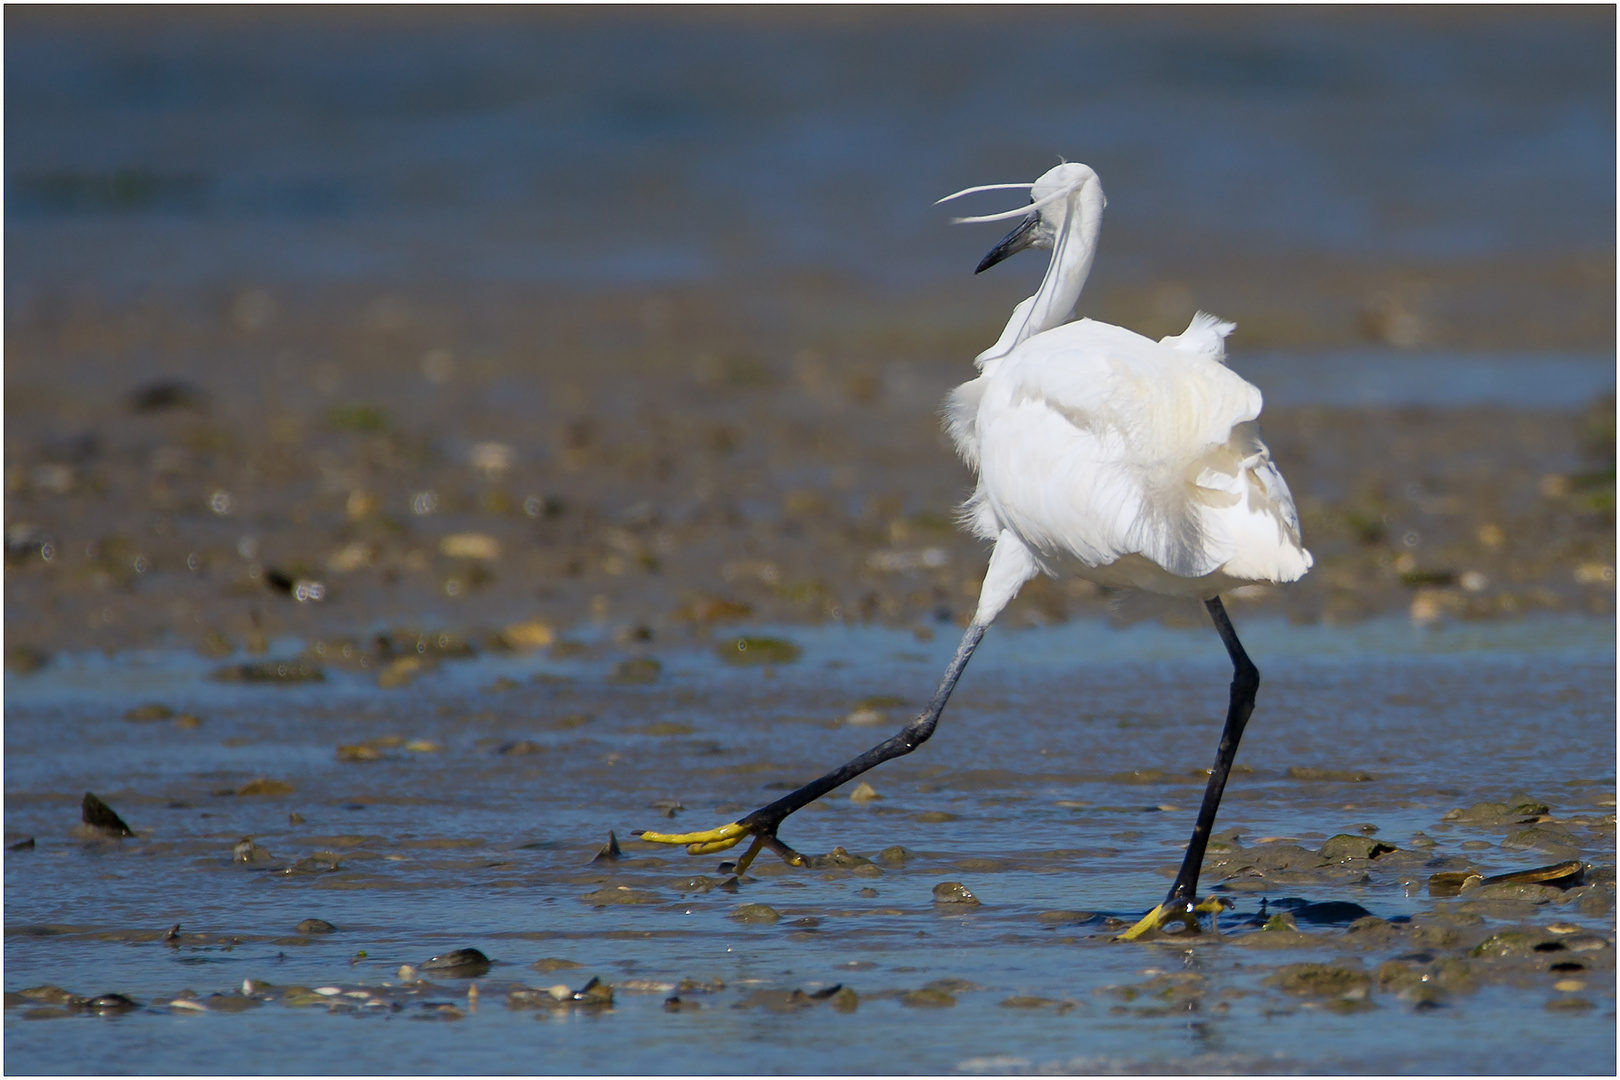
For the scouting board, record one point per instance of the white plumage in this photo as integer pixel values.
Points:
(1099, 453)
(1102, 453)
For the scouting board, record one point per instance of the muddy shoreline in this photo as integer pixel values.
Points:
(684, 471)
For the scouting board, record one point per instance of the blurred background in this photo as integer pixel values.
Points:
(322, 321)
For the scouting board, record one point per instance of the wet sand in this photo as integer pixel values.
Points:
(1389, 774)
(442, 468)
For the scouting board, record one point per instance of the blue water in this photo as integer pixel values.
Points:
(1382, 377)
(593, 147)
(464, 846)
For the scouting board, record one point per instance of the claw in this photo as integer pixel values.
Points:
(1166, 913)
(729, 836)
(1149, 923)
(702, 843)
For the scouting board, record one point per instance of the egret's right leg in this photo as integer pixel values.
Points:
(1182, 903)
(1011, 565)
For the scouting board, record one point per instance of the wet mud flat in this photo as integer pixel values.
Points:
(1417, 849)
(330, 468)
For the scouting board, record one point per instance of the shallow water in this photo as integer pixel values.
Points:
(1385, 378)
(206, 151)
(1068, 760)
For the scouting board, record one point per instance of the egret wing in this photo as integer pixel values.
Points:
(1124, 471)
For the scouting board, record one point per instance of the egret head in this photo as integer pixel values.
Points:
(1051, 204)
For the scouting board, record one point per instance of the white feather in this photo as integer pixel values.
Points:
(1100, 452)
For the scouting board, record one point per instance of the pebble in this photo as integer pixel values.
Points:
(954, 892)
(1342, 776)
(750, 651)
(1321, 980)
(246, 851)
(646, 986)
(1350, 846)
(1570, 1003)
(609, 895)
(756, 913)
(638, 671)
(928, 998)
(264, 786)
(554, 963)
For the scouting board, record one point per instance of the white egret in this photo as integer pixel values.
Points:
(1102, 454)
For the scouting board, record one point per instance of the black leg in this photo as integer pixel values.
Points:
(1245, 681)
(762, 823)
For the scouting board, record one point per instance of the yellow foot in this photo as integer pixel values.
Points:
(702, 843)
(1168, 913)
(729, 836)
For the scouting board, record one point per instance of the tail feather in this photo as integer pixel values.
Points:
(1205, 336)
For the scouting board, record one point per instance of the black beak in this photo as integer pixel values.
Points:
(1011, 244)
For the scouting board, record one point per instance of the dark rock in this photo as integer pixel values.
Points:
(461, 964)
(164, 395)
(111, 1003)
(315, 926)
(610, 851)
(275, 672)
(595, 993)
(1331, 913)
(25, 659)
(98, 815)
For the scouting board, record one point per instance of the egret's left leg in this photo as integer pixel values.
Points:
(1182, 903)
(763, 823)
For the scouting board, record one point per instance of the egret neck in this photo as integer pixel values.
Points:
(1074, 222)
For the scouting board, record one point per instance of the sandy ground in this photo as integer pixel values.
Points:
(211, 476)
